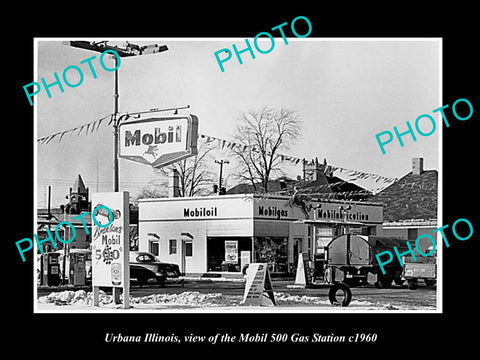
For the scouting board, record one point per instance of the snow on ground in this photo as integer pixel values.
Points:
(192, 299)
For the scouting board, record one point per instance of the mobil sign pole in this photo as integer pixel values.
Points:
(111, 245)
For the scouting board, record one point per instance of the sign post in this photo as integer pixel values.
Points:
(111, 245)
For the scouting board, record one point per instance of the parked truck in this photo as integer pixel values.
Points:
(351, 259)
(422, 268)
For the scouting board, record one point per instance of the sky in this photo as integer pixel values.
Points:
(345, 91)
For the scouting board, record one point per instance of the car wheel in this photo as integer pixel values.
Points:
(161, 280)
(383, 281)
(142, 279)
(412, 284)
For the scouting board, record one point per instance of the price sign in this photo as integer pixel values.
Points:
(110, 241)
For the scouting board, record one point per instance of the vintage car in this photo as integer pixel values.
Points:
(145, 266)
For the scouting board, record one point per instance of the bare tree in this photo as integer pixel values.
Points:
(195, 178)
(151, 193)
(261, 135)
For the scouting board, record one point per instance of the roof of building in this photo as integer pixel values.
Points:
(412, 197)
(79, 186)
(339, 188)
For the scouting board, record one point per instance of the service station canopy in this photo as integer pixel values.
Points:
(159, 141)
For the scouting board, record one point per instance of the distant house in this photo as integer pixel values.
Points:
(49, 218)
(78, 203)
(316, 181)
(410, 204)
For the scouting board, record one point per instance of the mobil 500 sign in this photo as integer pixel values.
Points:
(159, 141)
(110, 240)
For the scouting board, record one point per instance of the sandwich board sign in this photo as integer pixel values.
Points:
(159, 141)
(111, 245)
(258, 282)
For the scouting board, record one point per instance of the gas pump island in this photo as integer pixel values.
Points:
(158, 142)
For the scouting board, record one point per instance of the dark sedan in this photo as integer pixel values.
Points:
(145, 266)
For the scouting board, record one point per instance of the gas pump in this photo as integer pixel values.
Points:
(77, 269)
(50, 269)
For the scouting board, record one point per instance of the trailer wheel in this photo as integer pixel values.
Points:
(346, 294)
(429, 282)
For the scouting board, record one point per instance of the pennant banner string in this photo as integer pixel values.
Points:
(89, 126)
(221, 143)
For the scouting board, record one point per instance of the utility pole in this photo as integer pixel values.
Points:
(129, 50)
(221, 162)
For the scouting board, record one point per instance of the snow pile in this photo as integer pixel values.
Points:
(287, 299)
(81, 297)
(192, 298)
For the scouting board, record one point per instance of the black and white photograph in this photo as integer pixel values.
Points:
(223, 170)
(290, 179)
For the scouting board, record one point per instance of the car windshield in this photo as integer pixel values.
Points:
(145, 258)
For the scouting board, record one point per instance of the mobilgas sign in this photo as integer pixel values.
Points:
(272, 211)
(159, 141)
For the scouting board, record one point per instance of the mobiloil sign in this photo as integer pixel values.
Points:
(159, 141)
(200, 212)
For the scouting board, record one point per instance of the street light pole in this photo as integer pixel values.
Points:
(115, 130)
(129, 50)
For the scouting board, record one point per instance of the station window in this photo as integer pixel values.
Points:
(154, 248)
(223, 253)
(172, 246)
(323, 235)
(272, 250)
(188, 248)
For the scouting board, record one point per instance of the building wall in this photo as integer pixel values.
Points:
(163, 220)
(163, 232)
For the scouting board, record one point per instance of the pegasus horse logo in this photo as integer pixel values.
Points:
(152, 150)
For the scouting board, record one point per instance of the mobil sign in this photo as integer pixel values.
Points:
(159, 141)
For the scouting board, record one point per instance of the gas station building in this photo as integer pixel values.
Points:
(218, 235)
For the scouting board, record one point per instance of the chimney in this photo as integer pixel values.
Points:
(174, 186)
(417, 166)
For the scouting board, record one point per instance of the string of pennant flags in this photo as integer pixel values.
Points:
(93, 126)
(354, 174)
(85, 128)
